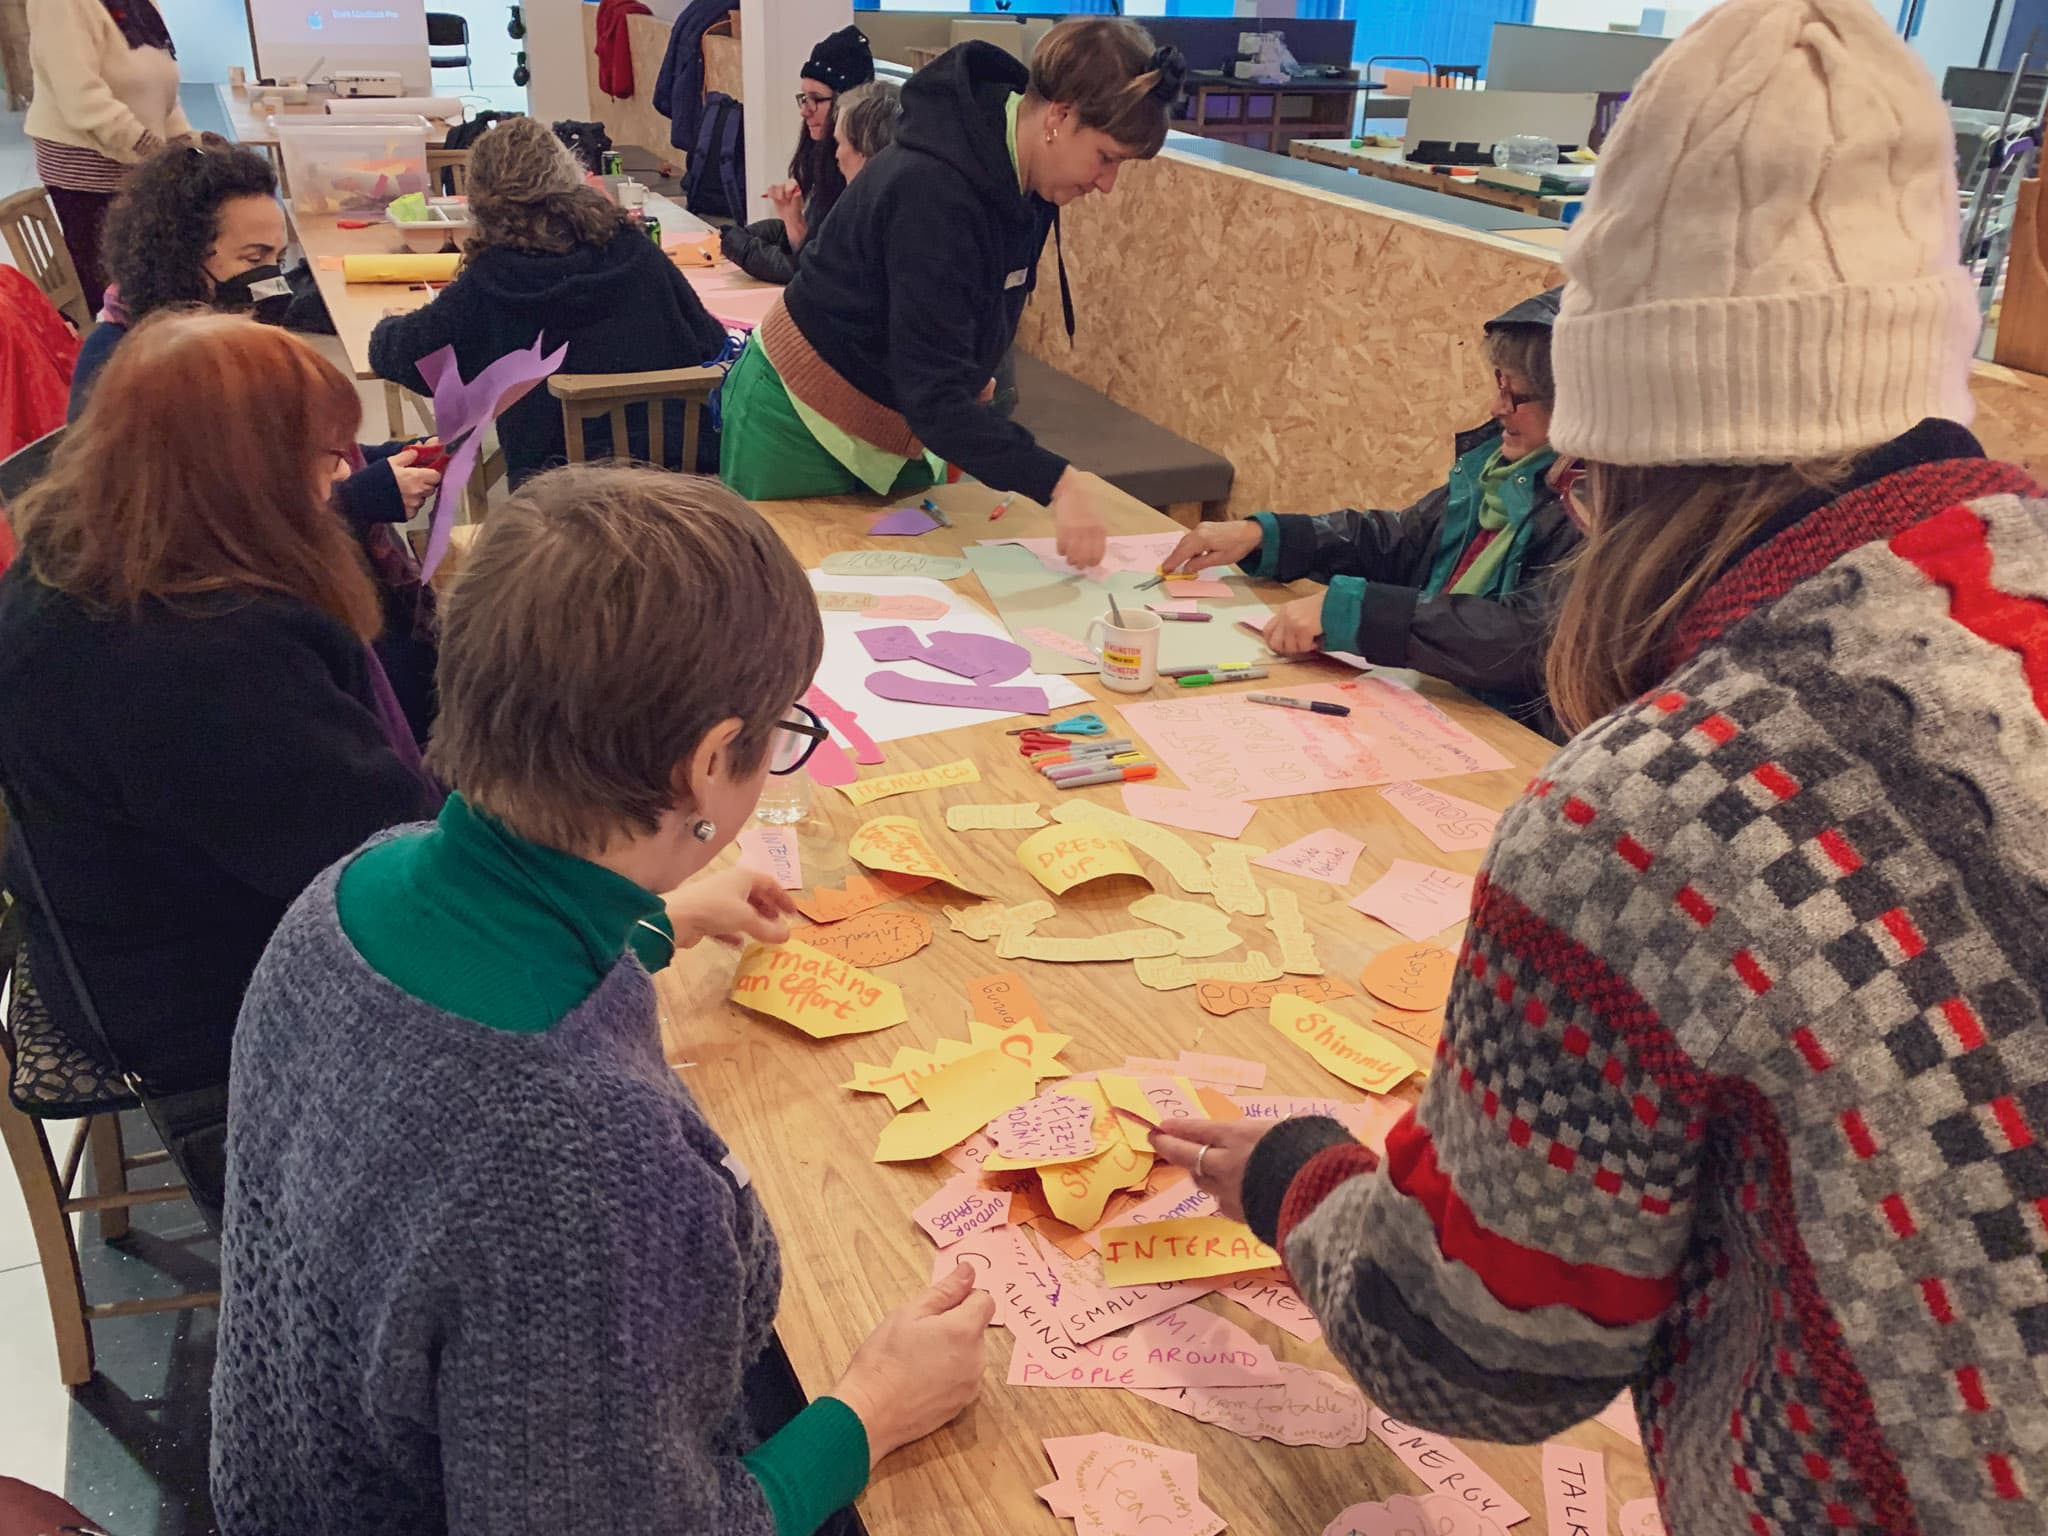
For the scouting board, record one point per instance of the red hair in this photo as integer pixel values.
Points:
(198, 467)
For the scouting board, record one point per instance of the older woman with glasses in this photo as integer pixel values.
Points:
(566, 1321)
(1460, 584)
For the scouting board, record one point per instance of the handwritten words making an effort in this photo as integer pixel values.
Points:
(813, 984)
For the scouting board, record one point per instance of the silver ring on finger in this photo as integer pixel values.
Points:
(1198, 1161)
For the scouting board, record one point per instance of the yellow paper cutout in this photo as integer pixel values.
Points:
(899, 1081)
(1125, 944)
(989, 919)
(1036, 1048)
(1060, 858)
(821, 996)
(1169, 851)
(994, 818)
(1077, 1192)
(1230, 866)
(1297, 945)
(861, 791)
(1127, 1094)
(1181, 1248)
(1203, 930)
(898, 845)
(1346, 1049)
(964, 1096)
(1165, 975)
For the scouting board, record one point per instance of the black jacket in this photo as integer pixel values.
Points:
(1491, 647)
(184, 776)
(679, 87)
(761, 249)
(912, 289)
(624, 308)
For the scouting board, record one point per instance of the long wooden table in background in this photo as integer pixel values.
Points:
(1388, 164)
(850, 1250)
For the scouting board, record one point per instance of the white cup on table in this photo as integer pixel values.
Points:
(1129, 651)
(632, 194)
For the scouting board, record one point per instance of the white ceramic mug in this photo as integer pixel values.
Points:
(632, 194)
(1129, 651)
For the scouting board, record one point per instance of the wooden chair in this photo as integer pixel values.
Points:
(586, 396)
(30, 226)
(448, 172)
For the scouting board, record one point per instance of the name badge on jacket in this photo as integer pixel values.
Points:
(1018, 278)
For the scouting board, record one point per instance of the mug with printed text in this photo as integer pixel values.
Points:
(1129, 651)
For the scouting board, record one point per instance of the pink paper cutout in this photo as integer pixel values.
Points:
(1087, 1309)
(1620, 1416)
(1186, 809)
(1416, 900)
(911, 690)
(1008, 1266)
(1051, 1125)
(1224, 746)
(907, 521)
(1368, 1121)
(1197, 588)
(845, 722)
(1405, 1515)
(1231, 1070)
(905, 605)
(1445, 1468)
(1639, 1517)
(960, 1209)
(1103, 1363)
(461, 411)
(1119, 1487)
(1574, 1490)
(1305, 1407)
(1328, 855)
(773, 850)
(1053, 640)
(830, 765)
(1192, 1347)
(1454, 824)
(1268, 1293)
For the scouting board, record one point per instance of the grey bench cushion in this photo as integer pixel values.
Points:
(1140, 458)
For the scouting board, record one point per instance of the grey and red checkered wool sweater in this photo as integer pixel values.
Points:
(1742, 1099)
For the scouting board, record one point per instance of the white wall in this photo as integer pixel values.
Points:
(776, 38)
(210, 35)
(1595, 15)
(491, 48)
(554, 50)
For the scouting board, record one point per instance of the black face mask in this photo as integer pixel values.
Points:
(262, 291)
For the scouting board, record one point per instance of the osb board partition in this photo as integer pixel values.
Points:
(1328, 348)
(722, 66)
(632, 120)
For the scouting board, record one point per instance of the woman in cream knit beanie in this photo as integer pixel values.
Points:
(1743, 1084)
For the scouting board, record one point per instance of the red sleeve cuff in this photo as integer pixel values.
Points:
(1318, 1178)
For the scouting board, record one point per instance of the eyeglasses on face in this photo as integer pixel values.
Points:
(1505, 392)
(805, 101)
(795, 741)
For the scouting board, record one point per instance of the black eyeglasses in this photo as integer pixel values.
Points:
(795, 741)
(1515, 401)
(805, 99)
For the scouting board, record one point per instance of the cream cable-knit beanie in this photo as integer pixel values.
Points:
(1767, 268)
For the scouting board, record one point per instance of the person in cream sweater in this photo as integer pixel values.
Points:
(106, 97)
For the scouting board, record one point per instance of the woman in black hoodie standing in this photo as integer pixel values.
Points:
(551, 257)
(883, 350)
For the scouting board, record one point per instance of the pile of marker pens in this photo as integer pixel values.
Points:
(1109, 760)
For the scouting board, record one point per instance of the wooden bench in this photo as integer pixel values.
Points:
(1139, 457)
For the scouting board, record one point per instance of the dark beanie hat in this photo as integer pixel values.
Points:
(842, 61)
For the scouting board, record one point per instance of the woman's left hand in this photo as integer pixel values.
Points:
(731, 907)
(1296, 627)
(1221, 1148)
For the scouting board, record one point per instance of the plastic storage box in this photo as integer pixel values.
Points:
(352, 167)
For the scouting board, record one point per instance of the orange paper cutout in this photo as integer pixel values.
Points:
(1223, 998)
(1002, 999)
(861, 893)
(874, 938)
(1415, 977)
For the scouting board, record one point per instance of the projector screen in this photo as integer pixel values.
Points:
(314, 38)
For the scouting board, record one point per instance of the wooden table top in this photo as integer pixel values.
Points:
(851, 1251)
(1389, 164)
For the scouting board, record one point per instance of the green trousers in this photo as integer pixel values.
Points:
(766, 453)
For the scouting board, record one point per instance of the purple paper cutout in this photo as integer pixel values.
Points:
(907, 521)
(984, 658)
(462, 409)
(891, 642)
(917, 690)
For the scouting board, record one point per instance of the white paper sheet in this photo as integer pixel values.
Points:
(843, 673)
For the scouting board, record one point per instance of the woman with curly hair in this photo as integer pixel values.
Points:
(201, 228)
(551, 259)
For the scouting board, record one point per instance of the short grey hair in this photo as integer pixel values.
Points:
(868, 115)
(1524, 350)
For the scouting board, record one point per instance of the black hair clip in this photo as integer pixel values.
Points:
(1172, 67)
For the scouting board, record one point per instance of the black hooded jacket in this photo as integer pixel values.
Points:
(913, 288)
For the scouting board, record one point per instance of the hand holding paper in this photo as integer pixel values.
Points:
(920, 1366)
(1222, 1147)
(731, 907)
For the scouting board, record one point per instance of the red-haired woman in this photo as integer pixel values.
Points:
(195, 723)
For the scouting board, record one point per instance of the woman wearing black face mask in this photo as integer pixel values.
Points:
(200, 227)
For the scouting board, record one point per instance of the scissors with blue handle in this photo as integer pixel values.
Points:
(1077, 725)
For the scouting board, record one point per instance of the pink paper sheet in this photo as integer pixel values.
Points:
(1199, 587)
(1639, 1517)
(960, 1209)
(1190, 811)
(846, 723)
(1110, 1486)
(1053, 640)
(1327, 855)
(1574, 1490)
(1233, 1071)
(1445, 1468)
(1051, 1125)
(1269, 1294)
(1008, 1265)
(1193, 1347)
(1305, 1407)
(1620, 1416)
(1404, 1515)
(1140, 552)
(1416, 900)
(1454, 824)
(1223, 746)
(774, 851)
(1087, 1309)
(1179, 1198)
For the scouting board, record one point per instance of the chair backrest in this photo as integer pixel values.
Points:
(585, 396)
(447, 30)
(448, 172)
(26, 465)
(30, 227)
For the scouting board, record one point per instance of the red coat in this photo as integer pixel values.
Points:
(615, 46)
(37, 353)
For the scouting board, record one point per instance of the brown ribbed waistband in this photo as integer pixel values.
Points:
(822, 388)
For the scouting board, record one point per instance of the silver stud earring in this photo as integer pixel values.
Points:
(703, 831)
